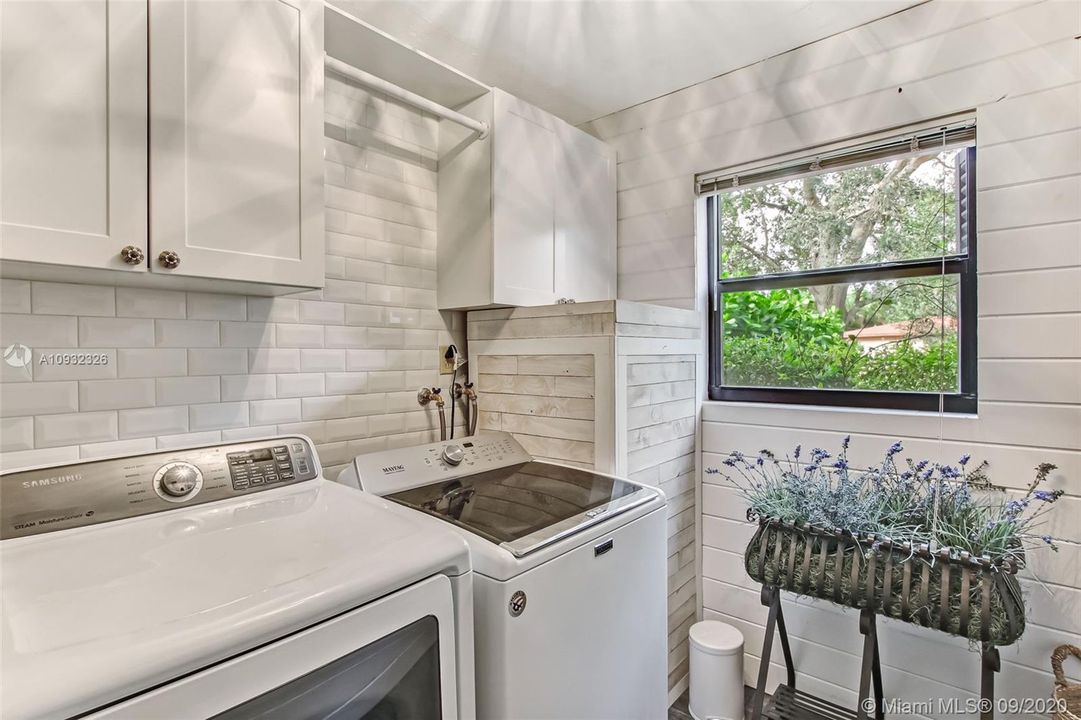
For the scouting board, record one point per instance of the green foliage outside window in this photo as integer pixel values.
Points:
(823, 336)
(779, 339)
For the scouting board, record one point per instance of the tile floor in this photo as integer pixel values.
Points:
(680, 711)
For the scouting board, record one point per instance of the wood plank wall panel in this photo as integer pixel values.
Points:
(550, 321)
(661, 416)
(1017, 64)
(946, 57)
(545, 401)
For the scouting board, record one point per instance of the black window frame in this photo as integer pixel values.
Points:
(962, 264)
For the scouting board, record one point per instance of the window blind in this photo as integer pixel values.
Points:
(958, 132)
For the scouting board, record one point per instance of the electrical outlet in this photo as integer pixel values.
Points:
(446, 367)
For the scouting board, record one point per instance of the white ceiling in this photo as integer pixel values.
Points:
(583, 59)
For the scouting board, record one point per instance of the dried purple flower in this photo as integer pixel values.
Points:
(1042, 471)
(882, 499)
(948, 471)
(1015, 508)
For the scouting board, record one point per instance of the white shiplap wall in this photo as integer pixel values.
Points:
(1018, 64)
(660, 418)
(944, 58)
(341, 365)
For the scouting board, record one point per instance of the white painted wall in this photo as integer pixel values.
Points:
(1018, 64)
(341, 365)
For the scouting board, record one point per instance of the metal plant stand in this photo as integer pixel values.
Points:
(958, 595)
(792, 704)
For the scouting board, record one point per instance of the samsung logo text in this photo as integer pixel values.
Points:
(54, 480)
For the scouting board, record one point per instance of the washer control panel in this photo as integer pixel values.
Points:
(95, 491)
(391, 471)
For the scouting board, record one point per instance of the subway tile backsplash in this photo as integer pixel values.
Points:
(341, 365)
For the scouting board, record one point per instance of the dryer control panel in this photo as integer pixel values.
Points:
(88, 492)
(390, 471)
(265, 465)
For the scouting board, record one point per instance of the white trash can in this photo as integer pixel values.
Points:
(716, 672)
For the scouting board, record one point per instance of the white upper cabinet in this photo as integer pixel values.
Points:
(222, 99)
(585, 234)
(73, 137)
(236, 137)
(525, 175)
(527, 215)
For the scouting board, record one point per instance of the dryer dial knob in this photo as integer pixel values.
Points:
(180, 479)
(453, 454)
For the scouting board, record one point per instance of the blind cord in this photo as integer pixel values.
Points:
(942, 333)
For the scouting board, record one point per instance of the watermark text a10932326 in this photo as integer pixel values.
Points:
(22, 357)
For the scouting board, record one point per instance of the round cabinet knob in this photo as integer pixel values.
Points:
(178, 481)
(132, 255)
(168, 259)
(453, 454)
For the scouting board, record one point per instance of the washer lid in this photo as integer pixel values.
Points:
(526, 506)
(95, 614)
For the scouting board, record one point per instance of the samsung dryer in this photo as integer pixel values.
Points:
(229, 581)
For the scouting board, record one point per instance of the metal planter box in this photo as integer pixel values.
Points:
(954, 593)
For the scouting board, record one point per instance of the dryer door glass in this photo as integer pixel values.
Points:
(394, 677)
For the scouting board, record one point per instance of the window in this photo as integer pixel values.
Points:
(848, 278)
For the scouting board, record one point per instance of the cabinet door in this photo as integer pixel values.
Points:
(585, 240)
(524, 180)
(236, 139)
(73, 131)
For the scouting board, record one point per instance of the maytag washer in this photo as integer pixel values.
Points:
(569, 575)
(229, 581)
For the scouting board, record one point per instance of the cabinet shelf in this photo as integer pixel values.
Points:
(357, 43)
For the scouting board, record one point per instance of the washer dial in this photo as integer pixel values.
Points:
(177, 481)
(453, 454)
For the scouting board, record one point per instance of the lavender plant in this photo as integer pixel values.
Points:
(920, 502)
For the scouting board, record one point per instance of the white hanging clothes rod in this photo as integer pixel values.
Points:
(406, 96)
